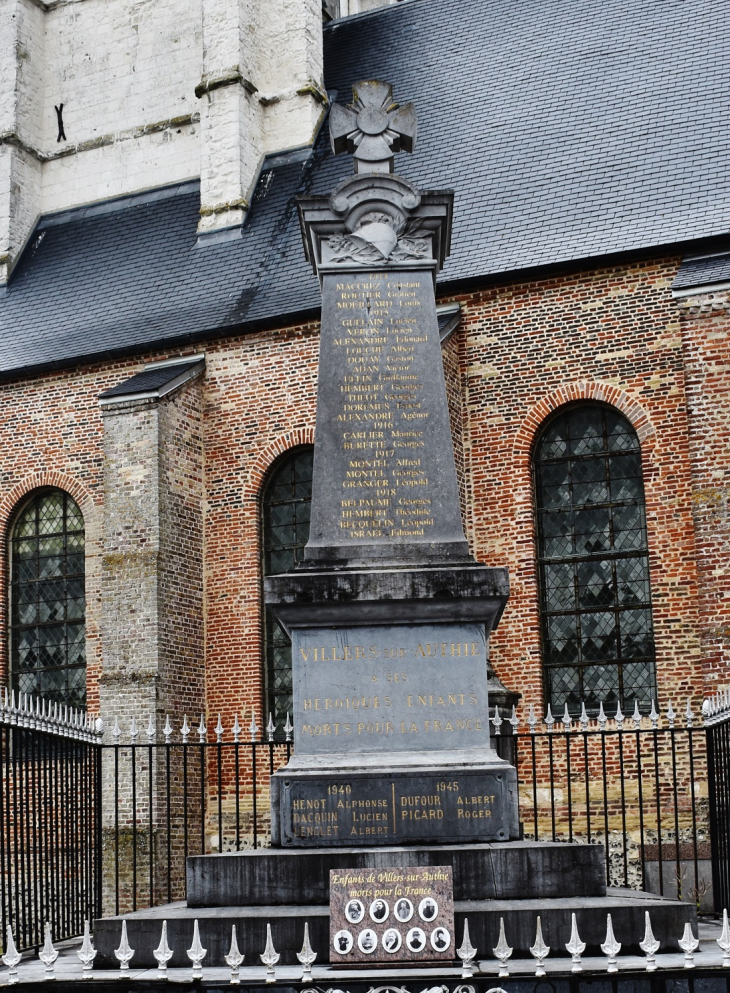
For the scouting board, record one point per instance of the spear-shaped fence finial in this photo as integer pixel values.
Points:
(466, 953)
(124, 953)
(649, 946)
(583, 716)
(502, 952)
(611, 947)
(87, 952)
(724, 941)
(48, 954)
(689, 945)
(270, 957)
(307, 956)
(575, 947)
(196, 953)
(163, 952)
(234, 958)
(539, 950)
(11, 958)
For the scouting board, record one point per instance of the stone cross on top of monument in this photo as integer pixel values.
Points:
(373, 128)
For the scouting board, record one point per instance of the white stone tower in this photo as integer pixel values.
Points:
(99, 98)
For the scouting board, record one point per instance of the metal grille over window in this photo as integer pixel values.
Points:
(598, 642)
(47, 614)
(286, 506)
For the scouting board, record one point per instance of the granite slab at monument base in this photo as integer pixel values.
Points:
(392, 807)
(627, 908)
(288, 888)
(273, 877)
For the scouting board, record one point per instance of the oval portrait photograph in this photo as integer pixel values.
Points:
(403, 910)
(428, 909)
(391, 940)
(379, 911)
(368, 941)
(343, 942)
(440, 939)
(355, 911)
(416, 939)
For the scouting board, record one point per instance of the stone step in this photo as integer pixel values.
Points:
(515, 870)
(626, 907)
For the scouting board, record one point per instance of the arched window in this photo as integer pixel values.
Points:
(598, 642)
(286, 504)
(47, 605)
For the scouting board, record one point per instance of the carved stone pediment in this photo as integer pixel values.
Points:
(376, 220)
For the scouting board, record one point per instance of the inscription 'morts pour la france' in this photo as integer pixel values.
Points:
(384, 465)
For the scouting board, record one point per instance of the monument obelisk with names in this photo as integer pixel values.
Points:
(388, 613)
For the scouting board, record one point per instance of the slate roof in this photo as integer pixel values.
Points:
(569, 129)
(154, 381)
(707, 271)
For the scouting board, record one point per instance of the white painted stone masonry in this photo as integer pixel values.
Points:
(154, 92)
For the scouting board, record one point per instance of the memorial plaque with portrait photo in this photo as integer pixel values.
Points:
(392, 915)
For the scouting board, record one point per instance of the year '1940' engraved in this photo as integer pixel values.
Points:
(385, 489)
(389, 808)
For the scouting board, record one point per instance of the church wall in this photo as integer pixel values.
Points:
(181, 678)
(259, 402)
(706, 346)
(51, 426)
(126, 74)
(522, 351)
(611, 335)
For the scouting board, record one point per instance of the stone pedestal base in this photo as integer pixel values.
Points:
(391, 711)
(287, 888)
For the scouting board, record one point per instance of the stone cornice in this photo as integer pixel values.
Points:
(231, 77)
(13, 138)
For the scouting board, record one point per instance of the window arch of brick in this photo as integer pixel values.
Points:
(47, 615)
(593, 560)
(285, 513)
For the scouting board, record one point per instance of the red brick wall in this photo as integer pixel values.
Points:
(259, 401)
(522, 351)
(610, 335)
(706, 343)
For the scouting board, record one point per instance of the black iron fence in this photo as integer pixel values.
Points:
(186, 795)
(637, 785)
(89, 828)
(717, 724)
(50, 828)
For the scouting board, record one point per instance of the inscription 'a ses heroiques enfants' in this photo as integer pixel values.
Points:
(381, 416)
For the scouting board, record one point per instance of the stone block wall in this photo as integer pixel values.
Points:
(705, 350)
(153, 92)
(152, 583)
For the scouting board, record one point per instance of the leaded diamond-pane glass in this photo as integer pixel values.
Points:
(594, 567)
(47, 631)
(286, 511)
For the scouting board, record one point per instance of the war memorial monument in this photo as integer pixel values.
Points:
(393, 780)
